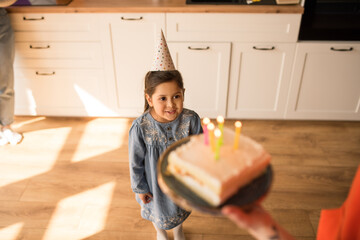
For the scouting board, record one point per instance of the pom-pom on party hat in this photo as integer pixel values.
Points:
(162, 58)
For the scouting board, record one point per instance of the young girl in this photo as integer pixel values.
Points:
(163, 122)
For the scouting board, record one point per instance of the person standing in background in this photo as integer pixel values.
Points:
(7, 135)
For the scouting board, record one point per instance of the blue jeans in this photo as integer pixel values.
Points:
(7, 52)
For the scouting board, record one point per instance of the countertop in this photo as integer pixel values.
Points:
(151, 6)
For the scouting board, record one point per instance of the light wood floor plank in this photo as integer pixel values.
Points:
(69, 179)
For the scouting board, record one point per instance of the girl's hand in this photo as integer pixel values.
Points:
(145, 197)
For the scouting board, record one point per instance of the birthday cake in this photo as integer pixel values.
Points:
(216, 179)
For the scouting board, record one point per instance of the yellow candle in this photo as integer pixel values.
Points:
(211, 128)
(206, 121)
(217, 134)
(238, 126)
(220, 120)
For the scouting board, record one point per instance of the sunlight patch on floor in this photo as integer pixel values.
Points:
(100, 137)
(27, 122)
(11, 232)
(40, 158)
(82, 215)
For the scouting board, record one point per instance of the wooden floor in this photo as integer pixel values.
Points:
(69, 179)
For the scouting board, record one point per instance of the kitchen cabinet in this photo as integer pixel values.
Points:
(205, 70)
(133, 37)
(262, 53)
(325, 83)
(62, 65)
(233, 64)
(259, 80)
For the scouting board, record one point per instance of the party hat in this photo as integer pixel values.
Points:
(162, 59)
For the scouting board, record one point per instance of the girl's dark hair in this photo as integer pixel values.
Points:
(155, 78)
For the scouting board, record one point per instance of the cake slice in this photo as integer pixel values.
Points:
(194, 164)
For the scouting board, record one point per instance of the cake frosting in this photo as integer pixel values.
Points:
(194, 164)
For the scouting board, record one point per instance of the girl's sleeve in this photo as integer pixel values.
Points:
(137, 152)
(196, 127)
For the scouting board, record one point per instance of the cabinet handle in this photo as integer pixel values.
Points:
(45, 73)
(195, 48)
(33, 19)
(39, 47)
(263, 49)
(131, 19)
(341, 49)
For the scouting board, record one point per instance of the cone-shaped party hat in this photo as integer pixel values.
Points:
(162, 58)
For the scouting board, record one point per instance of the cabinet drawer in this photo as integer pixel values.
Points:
(55, 26)
(60, 92)
(233, 27)
(61, 55)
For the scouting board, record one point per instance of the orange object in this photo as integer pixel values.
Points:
(342, 223)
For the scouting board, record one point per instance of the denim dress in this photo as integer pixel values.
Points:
(149, 138)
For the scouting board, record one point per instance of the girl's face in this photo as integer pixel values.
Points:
(166, 102)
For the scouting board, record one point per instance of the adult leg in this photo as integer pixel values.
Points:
(7, 81)
(6, 70)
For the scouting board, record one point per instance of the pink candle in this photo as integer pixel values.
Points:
(206, 121)
(211, 128)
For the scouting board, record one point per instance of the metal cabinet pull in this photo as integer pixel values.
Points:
(263, 49)
(39, 47)
(342, 49)
(195, 48)
(33, 19)
(45, 73)
(131, 19)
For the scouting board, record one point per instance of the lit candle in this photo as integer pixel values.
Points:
(238, 125)
(206, 121)
(220, 120)
(211, 128)
(217, 134)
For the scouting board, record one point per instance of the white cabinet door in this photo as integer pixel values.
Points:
(134, 38)
(326, 81)
(259, 80)
(205, 71)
